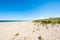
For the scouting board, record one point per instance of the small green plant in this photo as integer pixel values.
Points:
(40, 38)
(16, 34)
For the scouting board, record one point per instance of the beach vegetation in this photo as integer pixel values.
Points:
(39, 38)
(46, 21)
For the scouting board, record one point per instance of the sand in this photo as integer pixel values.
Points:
(28, 31)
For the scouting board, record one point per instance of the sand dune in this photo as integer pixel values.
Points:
(28, 31)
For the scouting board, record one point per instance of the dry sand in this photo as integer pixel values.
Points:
(28, 31)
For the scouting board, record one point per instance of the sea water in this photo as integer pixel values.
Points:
(12, 20)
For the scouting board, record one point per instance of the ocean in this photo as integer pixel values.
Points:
(12, 20)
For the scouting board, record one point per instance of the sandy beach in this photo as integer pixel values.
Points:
(28, 31)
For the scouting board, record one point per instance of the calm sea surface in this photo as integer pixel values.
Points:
(12, 20)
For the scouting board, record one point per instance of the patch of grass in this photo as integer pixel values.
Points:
(16, 34)
(40, 38)
(52, 21)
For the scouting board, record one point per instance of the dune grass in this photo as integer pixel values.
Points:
(52, 21)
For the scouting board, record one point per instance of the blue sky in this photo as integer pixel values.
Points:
(29, 9)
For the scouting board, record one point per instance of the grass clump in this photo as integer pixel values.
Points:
(39, 38)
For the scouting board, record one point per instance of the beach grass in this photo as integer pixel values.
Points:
(52, 21)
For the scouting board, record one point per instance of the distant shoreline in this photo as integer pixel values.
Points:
(12, 20)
